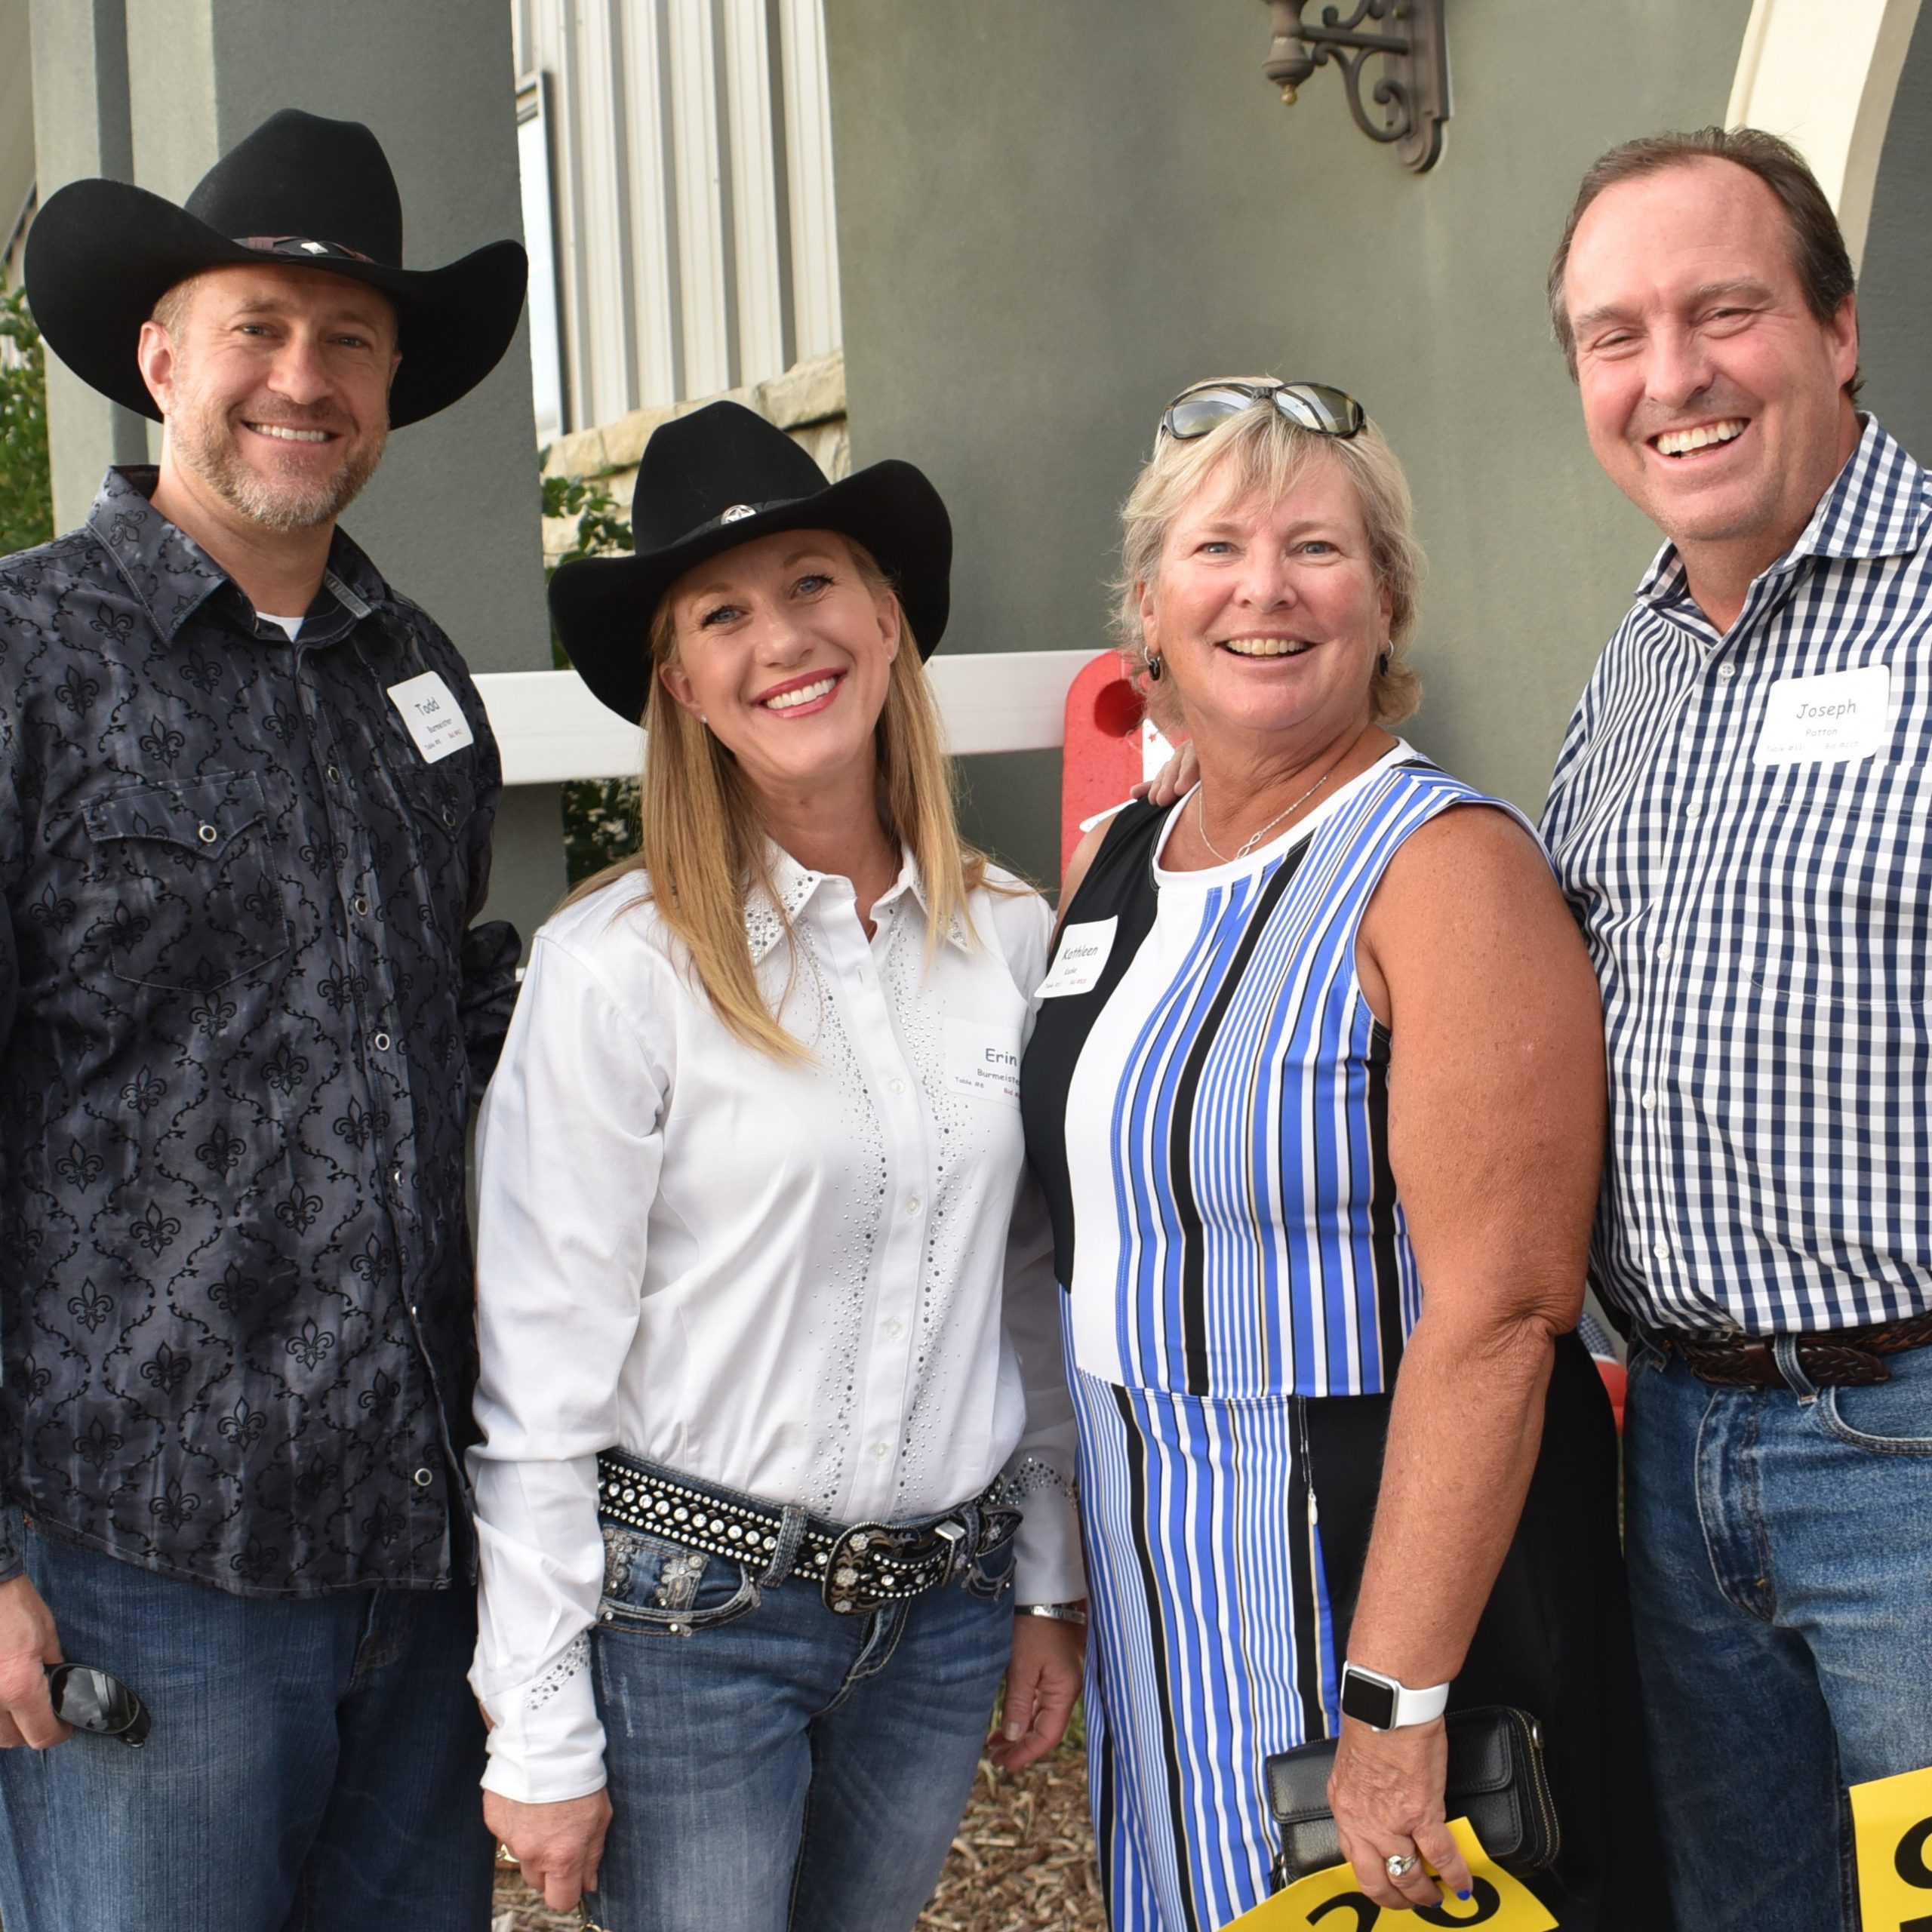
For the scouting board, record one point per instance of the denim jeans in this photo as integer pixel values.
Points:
(772, 1765)
(1780, 1564)
(313, 1764)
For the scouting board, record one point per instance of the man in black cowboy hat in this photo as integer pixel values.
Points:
(246, 791)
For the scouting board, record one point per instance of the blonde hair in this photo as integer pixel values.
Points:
(1259, 451)
(703, 846)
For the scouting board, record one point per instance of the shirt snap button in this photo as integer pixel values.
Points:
(381, 1043)
(207, 834)
(334, 776)
(449, 815)
(880, 1452)
(396, 1176)
(898, 1086)
(360, 906)
(424, 1478)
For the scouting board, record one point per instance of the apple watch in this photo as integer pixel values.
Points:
(1383, 1704)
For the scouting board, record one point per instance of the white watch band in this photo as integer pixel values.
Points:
(1396, 1706)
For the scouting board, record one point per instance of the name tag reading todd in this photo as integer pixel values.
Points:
(1077, 964)
(435, 720)
(982, 1061)
(1825, 721)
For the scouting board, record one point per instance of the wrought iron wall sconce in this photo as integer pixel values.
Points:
(1412, 90)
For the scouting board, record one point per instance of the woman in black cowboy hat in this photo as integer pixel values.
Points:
(776, 1429)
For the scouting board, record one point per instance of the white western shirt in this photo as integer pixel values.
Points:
(795, 1280)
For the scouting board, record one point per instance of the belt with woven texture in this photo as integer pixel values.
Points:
(1836, 1359)
(858, 1568)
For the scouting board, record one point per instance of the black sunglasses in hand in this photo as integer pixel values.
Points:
(92, 1701)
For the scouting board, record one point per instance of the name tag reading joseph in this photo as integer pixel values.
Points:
(435, 720)
(1077, 965)
(1824, 720)
(982, 1061)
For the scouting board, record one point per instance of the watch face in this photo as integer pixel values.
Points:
(1368, 1700)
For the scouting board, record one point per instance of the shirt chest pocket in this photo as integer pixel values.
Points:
(185, 897)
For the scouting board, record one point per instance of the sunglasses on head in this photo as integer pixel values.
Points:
(1311, 406)
(91, 1700)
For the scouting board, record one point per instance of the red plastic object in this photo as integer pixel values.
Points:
(1101, 758)
(1616, 1381)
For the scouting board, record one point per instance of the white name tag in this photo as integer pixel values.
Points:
(1842, 715)
(982, 1061)
(435, 720)
(1077, 965)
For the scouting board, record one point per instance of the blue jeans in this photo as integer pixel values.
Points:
(772, 1765)
(1780, 1564)
(313, 1764)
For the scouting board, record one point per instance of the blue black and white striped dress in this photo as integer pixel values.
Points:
(1206, 1100)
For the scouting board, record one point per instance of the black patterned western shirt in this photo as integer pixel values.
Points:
(242, 1012)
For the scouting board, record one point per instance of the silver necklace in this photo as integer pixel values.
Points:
(1253, 839)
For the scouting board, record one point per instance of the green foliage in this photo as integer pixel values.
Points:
(27, 485)
(600, 814)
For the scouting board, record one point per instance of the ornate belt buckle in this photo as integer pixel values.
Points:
(852, 1575)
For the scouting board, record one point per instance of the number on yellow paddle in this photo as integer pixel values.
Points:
(1331, 1901)
(1892, 1820)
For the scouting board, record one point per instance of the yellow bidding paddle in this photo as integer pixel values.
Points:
(1330, 1901)
(1892, 1822)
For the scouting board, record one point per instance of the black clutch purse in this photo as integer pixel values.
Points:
(1496, 1780)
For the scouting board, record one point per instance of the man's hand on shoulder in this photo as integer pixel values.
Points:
(29, 1643)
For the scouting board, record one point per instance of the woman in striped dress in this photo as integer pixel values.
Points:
(1316, 1095)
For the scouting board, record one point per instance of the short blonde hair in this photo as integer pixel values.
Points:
(702, 843)
(1260, 451)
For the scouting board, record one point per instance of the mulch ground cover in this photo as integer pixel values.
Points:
(1023, 1861)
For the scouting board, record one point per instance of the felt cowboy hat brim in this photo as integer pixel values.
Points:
(753, 481)
(100, 255)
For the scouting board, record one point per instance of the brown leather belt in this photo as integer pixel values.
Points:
(1839, 1358)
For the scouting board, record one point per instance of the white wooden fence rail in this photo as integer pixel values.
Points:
(549, 728)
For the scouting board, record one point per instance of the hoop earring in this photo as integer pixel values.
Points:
(1155, 667)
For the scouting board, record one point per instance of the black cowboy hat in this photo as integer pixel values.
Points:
(718, 478)
(299, 191)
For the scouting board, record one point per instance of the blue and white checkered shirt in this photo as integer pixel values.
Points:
(1741, 826)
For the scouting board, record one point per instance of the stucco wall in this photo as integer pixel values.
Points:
(1051, 217)
(1895, 290)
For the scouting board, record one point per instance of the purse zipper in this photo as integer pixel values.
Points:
(1539, 1782)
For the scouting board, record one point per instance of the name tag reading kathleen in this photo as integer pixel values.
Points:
(435, 720)
(1826, 720)
(983, 1061)
(1082, 954)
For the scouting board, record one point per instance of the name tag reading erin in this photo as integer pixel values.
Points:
(435, 720)
(1826, 720)
(982, 1061)
(1082, 956)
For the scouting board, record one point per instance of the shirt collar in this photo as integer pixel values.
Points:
(794, 886)
(173, 575)
(1877, 508)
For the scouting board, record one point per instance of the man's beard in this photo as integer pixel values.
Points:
(205, 441)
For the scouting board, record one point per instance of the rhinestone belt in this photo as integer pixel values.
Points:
(858, 1570)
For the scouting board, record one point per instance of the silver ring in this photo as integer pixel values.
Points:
(1399, 1864)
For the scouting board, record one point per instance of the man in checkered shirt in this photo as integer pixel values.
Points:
(1739, 816)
